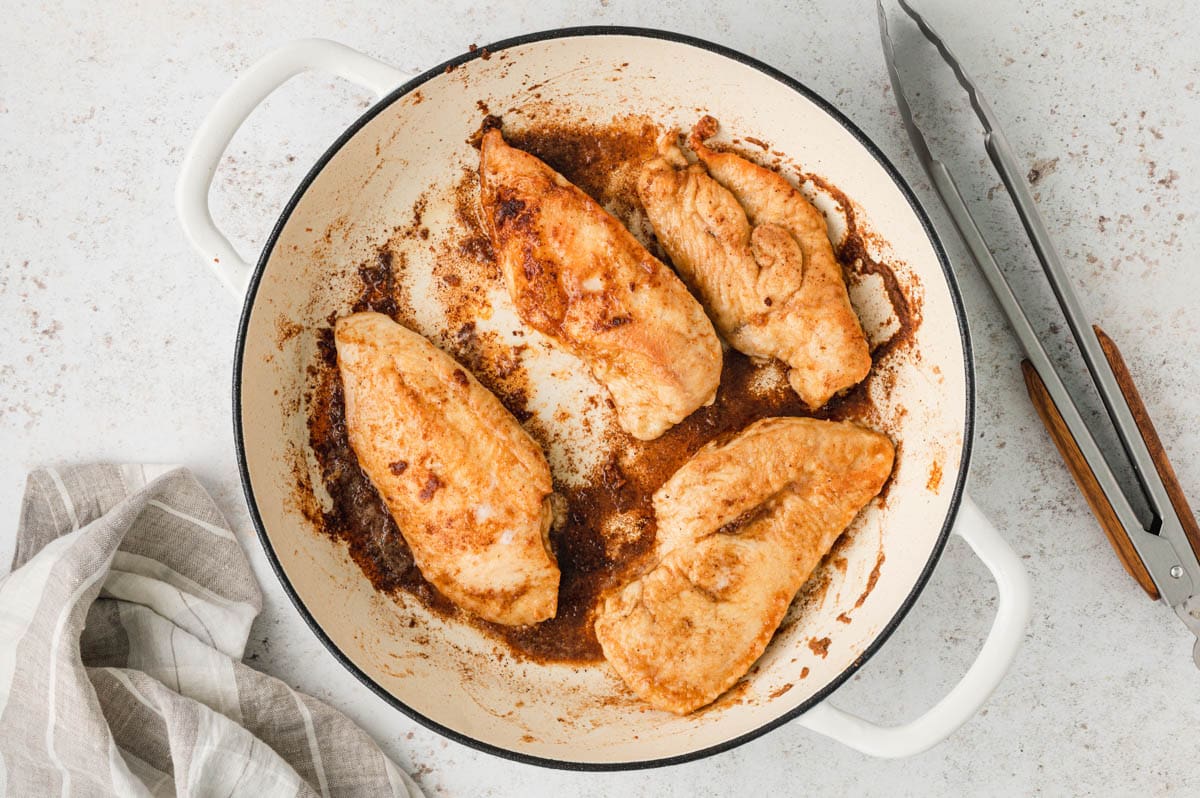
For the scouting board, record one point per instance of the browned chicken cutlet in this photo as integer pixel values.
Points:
(468, 487)
(758, 254)
(741, 526)
(579, 277)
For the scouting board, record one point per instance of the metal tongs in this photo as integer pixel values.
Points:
(1163, 556)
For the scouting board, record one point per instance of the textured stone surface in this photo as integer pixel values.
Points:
(118, 342)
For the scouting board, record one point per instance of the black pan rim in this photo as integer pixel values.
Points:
(956, 301)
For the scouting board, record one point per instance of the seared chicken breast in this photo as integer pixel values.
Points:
(759, 256)
(468, 487)
(741, 526)
(579, 277)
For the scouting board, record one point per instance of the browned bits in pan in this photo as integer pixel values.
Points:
(608, 530)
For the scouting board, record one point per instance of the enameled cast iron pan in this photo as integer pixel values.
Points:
(446, 674)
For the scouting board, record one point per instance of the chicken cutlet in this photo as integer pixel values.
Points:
(579, 277)
(741, 527)
(759, 256)
(467, 486)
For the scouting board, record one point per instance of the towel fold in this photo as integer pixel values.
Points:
(122, 627)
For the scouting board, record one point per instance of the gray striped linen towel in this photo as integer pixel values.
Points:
(122, 628)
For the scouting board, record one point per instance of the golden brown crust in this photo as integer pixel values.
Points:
(468, 487)
(759, 255)
(578, 276)
(741, 526)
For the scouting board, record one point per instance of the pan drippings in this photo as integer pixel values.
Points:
(608, 525)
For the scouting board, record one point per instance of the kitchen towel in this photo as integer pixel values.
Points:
(122, 628)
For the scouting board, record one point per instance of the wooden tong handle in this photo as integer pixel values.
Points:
(1153, 444)
(1085, 479)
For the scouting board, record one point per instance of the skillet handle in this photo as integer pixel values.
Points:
(965, 699)
(231, 111)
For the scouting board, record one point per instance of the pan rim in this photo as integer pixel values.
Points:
(960, 317)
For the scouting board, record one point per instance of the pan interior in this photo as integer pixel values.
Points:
(447, 672)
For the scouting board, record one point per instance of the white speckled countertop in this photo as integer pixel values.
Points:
(119, 343)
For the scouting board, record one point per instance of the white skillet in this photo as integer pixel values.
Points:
(446, 675)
